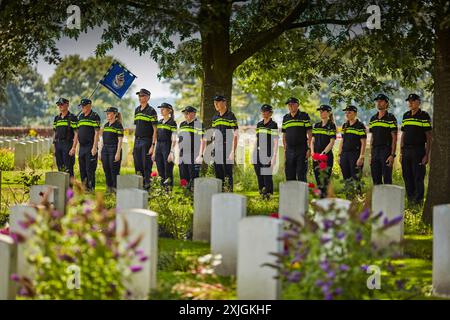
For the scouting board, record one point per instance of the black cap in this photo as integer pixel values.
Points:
(85, 102)
(381, 96)
(62, 101)
(189, 109)
(112, 109)
(166, 105)
(266, 107)
(292, 100)
(412, 96)
(324, 107)
(143, 92)
(219, 98)
(351, 108)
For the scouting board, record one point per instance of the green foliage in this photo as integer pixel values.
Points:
(41, 162)
(6, 160)
(83, 239)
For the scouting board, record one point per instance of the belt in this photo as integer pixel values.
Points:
(143, 138)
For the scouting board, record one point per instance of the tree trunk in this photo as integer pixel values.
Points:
(439, 177)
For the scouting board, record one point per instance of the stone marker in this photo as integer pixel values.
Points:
(8, 261)
(227, 210)
(143, 223)
(340, 204)
(20, 155)
(130, 181)
(131, 198)
(293, 201)
(390, 200)
(31, 152)
(37, 193)
(61, 181)
(257, 238)
(124, 153)
(18, 214)
(204, 189)
(441, 250)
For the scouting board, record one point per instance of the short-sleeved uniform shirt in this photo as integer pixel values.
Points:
(414, 128)
(352, 135)
(112, 132)
(87, 125)
(295, 129)
(190, 132)
(382, 128)
(322, 135)
(65, 127)
(268, 133)
(166, 130)
(144, 121)
(222, 123)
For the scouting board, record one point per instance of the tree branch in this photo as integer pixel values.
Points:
(310, 23)
(176, 14)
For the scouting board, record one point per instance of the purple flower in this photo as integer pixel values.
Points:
(340, 235)
(378, 216)
(66, 257)
(364, 215)
(69, 194)
(135, 268)
(389, 223)
(56, 214)
(143, 258)
(139, 252)
(319, 283)
(92, 243)
(326, 286)
(324, 265)
(327, 224)
(331, 274)
(358, 236)
(23, 224)
(364, 267)
(328, 296)
(294, 276)
(344, 267)
(15, 277)
(324, 240)
(400, 284)
(23, 292)
(338, 291)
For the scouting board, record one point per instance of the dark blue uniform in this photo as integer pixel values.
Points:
(351, 147)
(295, 129)
(381, 129)
(266, 134)
(144, 121)
(111, 134)
(224, 125)
(322, 136)
(87, 126)
(64, 128)
(190, 135)
(414, 129)
(163, 149)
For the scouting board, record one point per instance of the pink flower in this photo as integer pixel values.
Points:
(15, 277)
(5, 231)
(183, 182)
(323, 166)
(316, 192)
(275, 215)
(154, 174)
(311, 185)
(69, 194)
(135, 268)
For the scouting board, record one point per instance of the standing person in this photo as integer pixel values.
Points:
(66, 137)
(352, 146)
(322, 142)
(266, 151)
(192, 145)
(383, 127)
(225, 127)
(111, 155)
(165, 145)
(88, 136)
(415, 149)
(297, 135)
(146, 121)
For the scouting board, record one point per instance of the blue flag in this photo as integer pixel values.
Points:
(118, 79)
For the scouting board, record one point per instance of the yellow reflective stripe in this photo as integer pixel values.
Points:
(359, 132)
(224, 123)
(74, 125)
(296, 124)
(166, 126)
(191, 129)
(88, 123)
(381, 123)
(113, 130)
(324, 132)
(267, 131)
(416, 122)
(144, 117)
(61, 123)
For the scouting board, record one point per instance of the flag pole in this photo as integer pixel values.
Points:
(98, 84)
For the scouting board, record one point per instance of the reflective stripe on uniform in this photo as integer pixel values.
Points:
(416, 122)
(193, 130)
(382, 123)
(224, 122)
(88, 123)
(358, 132)
(144, 117)
(113, 130)
(296, 123)
(267, 131)
(323, 131)
(167, 127)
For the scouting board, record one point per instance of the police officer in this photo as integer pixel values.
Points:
(322, 142)
(88, 136)
(192, 145)
(352, 146)
(111, 155)
(297, 134)
(146, 121)
(225, 127)
(383, 127)
(265, 154)
(66, 137)
(415, 144)
(165, 145)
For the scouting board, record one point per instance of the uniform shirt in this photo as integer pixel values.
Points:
(322, 135)
(144, 121)
(112, 132)
(166, 130)
(295, 129)
(266, 132)
(65, 127)
(382, 129)
(87, 125)
(414, 128)
(192, 132)
(224, 122)
(352, 135)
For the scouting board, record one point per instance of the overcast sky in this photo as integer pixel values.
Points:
(143, 67)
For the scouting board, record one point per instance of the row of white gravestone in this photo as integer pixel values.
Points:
(26, 148)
